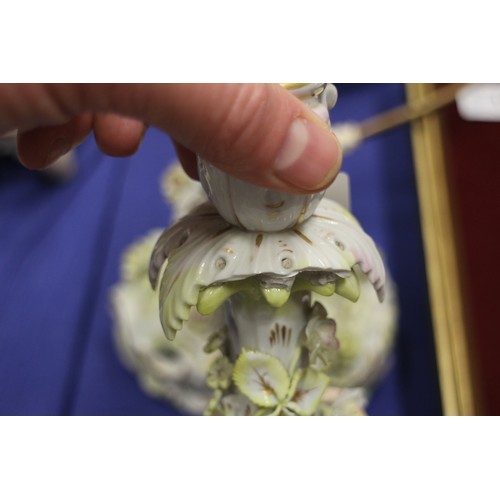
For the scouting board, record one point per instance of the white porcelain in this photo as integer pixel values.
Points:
(203, 250)
(252, 207)
(270, 273)
(177, 371)
(366, 332)
(347, 344)
(259, 209)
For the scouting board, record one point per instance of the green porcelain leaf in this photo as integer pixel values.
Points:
(276, 297)
(216, 340)
(348, 288)
(212, 297)
(262, 378)
(219, 374)
(306, 390)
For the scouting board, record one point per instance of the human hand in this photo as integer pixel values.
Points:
(257, 132)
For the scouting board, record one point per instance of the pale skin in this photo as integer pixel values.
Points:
(257, 132)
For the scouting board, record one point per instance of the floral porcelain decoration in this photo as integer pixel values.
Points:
(278, 298)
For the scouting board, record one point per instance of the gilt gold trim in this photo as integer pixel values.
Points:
(293, 86)
(300, 234)
(441, 262)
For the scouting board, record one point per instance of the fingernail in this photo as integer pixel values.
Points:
(310, 156)
(58, 148)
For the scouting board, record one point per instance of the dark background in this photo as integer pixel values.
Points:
(472, 157)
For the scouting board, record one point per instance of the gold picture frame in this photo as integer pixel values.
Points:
(443, 276)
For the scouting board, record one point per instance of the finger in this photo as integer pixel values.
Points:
(118, 135)
(41, 147)
(260, 133)
(188, 160)
(28, 106)
(257, 132)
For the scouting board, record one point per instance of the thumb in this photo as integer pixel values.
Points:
(257, 132)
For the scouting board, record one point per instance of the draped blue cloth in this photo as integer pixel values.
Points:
(60, 250)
